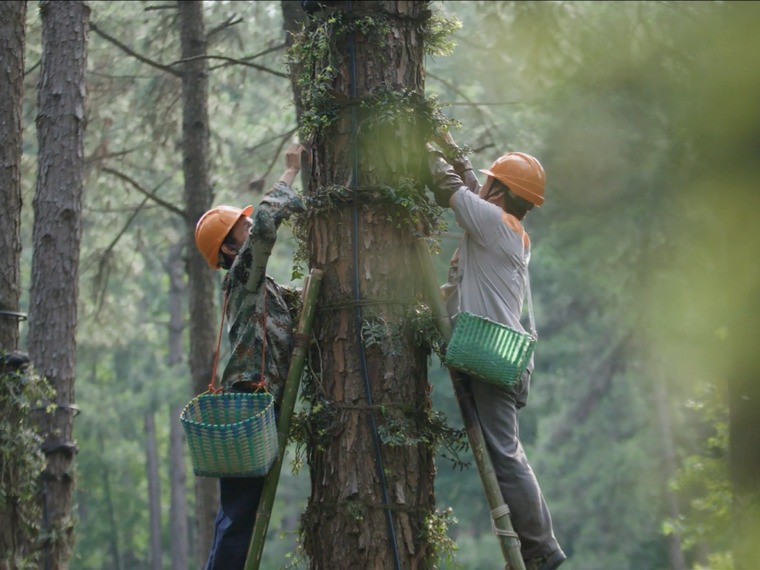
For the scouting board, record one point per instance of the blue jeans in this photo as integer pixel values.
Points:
(238, 502)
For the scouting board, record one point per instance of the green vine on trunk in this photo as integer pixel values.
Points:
(405, 206)
(22, 392)
(315, 61)
(432, 430)
(392, 126)
(402, 425)
(436, 535)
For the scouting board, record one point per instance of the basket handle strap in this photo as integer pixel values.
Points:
(531, 318)
(261, 384)
(211, 386)
(528, 295)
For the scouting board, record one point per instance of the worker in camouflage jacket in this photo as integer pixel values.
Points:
(257, 308)
(488, 277)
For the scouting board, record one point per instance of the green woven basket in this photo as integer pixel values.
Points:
(488, 350)
(231, 434)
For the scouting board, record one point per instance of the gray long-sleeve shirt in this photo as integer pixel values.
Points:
(491, 272)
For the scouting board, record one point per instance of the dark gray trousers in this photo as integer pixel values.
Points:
(497, 411)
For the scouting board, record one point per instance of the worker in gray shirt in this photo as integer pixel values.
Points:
(488, 278)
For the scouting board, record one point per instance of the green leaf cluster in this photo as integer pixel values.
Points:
(25, 397)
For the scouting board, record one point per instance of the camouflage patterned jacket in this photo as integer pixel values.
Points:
(250, 290)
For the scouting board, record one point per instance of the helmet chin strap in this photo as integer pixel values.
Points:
(495, 190)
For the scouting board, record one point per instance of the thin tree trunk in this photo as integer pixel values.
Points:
(12, 41)
(178, 527)
(113, 528)
(370, 501)
(55, 265)
(675, 551)
(198, 197)
(154, 489)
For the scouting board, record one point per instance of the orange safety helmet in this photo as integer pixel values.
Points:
(522, 173)
(213, 227)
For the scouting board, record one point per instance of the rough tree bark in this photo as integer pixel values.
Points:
(12, 41)
(14, 541)
(370, 287)
(57, 235)
(198, 197)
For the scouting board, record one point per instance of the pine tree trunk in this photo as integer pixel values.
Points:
(198, 197)
(12, 41)
(113, 528)
(347, 524)
(55, 265)
(178, 527)
(14, 538)
(154, 489)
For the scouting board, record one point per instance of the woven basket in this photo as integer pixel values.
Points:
(231, 434)
(488, 350)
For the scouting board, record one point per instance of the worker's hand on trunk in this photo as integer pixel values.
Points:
(293, 157)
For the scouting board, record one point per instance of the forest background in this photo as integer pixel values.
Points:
(644, 271)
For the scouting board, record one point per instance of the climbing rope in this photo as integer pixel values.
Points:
(497, 513)
(357, 298)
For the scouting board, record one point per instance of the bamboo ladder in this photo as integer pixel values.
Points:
(300, 351)
(502, 524)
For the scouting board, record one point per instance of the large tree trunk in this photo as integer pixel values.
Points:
(12, 39)
(198, 197)
(370, 282)
(178, 528)
(57, 235)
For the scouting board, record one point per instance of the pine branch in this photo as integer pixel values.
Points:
(248, 58)
(265, 142)
(231, 61)
(35, 66)
(104, 266)
(282, 144)
(150, 194)
(231, 21)
(126, 49)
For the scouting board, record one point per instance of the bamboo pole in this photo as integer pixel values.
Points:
(293, 382)
(508, 540)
